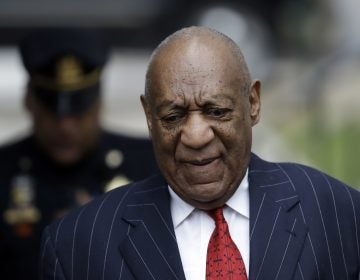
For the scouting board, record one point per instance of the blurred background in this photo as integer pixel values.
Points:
(305, 52)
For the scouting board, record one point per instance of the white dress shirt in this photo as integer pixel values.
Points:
(193, 229)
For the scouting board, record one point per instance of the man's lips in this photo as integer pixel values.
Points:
(202, 171)
(200, 162)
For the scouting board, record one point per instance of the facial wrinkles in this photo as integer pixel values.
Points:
(191, 84)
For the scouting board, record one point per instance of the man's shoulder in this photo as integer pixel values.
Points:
(306, 181)
(316, 179)
(132, 156)
(16, 146)
(103, 210)
(15, 154)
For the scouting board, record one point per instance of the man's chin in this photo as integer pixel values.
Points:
(66, 157)
(207, 191)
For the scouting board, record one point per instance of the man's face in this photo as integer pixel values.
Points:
(66, 140)
(200, 122)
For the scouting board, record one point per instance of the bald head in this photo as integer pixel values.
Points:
(193, 46)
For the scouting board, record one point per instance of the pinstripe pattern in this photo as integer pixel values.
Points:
(268, 243)
(110, 232)
(337, 219)
(315, 259)
(274, 185)
(287, 198)
(57, 231)
(355, 220)
(142, 260)
(287, 176)
(56, 265)
(303, 216)
(302, 195)
(257, 216)
(43, 250)
(91, 235)
(73, 243)
(322, 220)
(301, 273)
(162, 218)
(157, 247)
(264, 170)
(303, 225)
(121, 269)
(287, 246)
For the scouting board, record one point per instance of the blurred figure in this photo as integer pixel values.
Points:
(68, 158)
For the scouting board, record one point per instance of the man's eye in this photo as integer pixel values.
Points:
(171, 118)
(217, 112)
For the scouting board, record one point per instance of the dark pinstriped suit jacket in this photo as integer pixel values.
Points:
(303, 225)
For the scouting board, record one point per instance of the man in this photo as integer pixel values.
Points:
(68, 158)
(286, 221)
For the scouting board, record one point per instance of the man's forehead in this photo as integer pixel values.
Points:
(187, 75)
(193, 76)
(183, 84)
(193, 69)
(168, 101)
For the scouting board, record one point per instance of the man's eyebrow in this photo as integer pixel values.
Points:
(172, 104)
(168, 104)
(219, 97)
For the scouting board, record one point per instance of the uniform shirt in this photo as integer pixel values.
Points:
(193, 229)
(34, 191)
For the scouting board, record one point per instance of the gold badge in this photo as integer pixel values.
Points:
(117, 181)
(68, 71)
(69, 76)
(114, 158)
(21, 202)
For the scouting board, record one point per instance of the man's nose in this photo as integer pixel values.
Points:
(66, 123)
(196, 132)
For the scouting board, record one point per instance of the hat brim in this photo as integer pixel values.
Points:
(68, 103)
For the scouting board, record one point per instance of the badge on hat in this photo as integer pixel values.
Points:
(69, 76)
(68, 71)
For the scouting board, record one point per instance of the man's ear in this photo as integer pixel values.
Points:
(146, 107)
(255, 103)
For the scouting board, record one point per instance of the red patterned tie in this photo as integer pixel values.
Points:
(224, 260)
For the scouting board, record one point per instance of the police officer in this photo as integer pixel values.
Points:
(68, 158)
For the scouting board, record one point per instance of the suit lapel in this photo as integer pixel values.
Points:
(277, 233)
(150, 249)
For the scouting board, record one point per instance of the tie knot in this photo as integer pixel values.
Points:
(217, 215)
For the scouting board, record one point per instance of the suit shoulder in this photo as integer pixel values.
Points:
(17, 146)
(325, 189)
(15, 154)
(102, 210)
(108, 202)
(309, 183)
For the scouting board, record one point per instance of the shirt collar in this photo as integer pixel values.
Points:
(239, 202)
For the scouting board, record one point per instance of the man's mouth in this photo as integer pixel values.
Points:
(201, 162)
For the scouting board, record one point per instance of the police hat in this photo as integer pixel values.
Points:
(65, 66)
